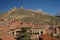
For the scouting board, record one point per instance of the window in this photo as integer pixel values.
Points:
(13, 33)
(0, 38)
(12, 29)
(17, 31)
(35, 32)
(41, 32)
(40, 38)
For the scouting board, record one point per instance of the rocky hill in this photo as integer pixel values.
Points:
(26, 15)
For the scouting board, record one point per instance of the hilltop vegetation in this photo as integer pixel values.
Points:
(30, 16)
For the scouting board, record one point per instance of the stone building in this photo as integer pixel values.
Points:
(13, 26)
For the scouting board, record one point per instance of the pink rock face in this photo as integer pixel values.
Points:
(8, 37)
(5, 35)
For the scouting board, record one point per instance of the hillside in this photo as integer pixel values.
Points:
(30, 16)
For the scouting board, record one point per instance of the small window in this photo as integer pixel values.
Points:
(40, 38)
(13, 33)
(0, 38)
(17, 31)
(41, 32)
(21, 23)
(12, 29)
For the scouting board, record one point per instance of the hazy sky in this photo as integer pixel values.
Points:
(50, 6)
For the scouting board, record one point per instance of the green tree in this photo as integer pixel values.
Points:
(24, 35)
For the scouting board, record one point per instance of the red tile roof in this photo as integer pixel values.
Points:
(47, 37)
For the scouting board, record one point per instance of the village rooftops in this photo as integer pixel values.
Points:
(47, 37)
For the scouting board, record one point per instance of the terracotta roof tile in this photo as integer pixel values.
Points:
(47, 37)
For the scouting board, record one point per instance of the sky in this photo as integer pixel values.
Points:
(49, 6)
